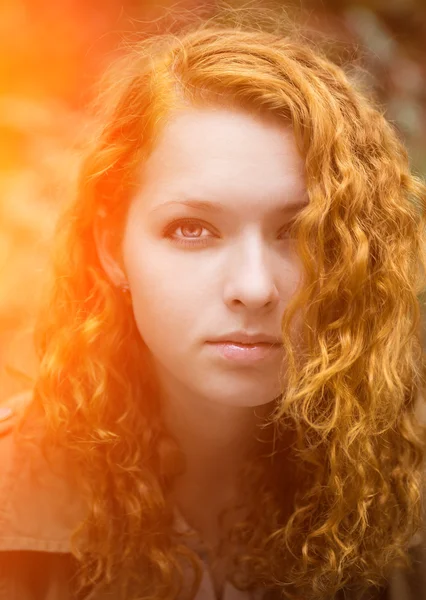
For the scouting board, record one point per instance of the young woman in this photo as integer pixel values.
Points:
(230, 354)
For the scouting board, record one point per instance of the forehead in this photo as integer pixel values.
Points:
(225, 154)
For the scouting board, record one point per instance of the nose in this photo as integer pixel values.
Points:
(251, 280)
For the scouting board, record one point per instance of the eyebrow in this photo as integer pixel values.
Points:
(219, 207)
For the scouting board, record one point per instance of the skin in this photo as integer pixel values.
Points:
(241, 278)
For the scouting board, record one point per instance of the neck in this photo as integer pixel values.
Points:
(216, 440)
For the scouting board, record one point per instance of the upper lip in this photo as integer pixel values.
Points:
(243, 337)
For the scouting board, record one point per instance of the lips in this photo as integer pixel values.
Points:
(244, 344)
(248, 338)
(236, 352)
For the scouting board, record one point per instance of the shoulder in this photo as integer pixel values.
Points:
(39, 507)
(11, 412)
(12, 409)
(27, 575)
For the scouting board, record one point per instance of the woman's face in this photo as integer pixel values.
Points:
(196, 273)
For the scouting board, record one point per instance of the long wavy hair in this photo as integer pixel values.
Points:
(337, 497)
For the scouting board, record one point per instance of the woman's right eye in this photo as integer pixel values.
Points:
(185, 224)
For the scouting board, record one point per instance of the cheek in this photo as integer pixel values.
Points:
(290, 278)
(166, 288)
(165, 298)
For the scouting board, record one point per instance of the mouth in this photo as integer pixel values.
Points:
(244, 344)
(245, 353)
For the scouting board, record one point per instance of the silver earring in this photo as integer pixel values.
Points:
(124, 287)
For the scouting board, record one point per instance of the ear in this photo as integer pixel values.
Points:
(104, 247)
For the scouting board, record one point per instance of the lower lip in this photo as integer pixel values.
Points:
(243, 353)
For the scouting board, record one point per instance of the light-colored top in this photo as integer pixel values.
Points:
(206, 590)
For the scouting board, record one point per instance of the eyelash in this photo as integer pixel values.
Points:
(182, 241)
